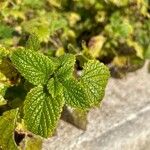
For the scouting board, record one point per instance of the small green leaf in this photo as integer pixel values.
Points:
(5, 31)
(74, 94)
(42, 112)
(7, 128)
(32, 143)
(34, 66)
(3, 84)
(54, 87)
(2, 100)
(66, 68)
(137, 47)
(3, 53)
(94, 79)
(33, 43)
(56, 23)
(8, 70)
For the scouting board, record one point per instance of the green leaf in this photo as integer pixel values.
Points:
(33, 43)
(34, 4)
(120, 3)
(137, 47)
(74, 94)
(8, 70)
(7, 128)
(96, 43)
(2, 100)
(34, 66)
(3, 88)
(57, 23)
(32, 143)
(3, 84)
(55, 3)
(119, 27)
(94, 79)
(147, 53)
(42, 112)
(66, 68)
(3, 53)
(54, 87)
(5, 31)
(40, 26)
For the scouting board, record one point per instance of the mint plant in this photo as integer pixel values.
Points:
(55, 84)
(39, 82)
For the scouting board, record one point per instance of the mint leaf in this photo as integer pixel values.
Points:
(94, 79)
(54, 87)
(42, 112)
(33, 43)
(34, 66)
(7, 128)
(74, 94)
(66, 68)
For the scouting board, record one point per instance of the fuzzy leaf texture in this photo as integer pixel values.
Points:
(54, 87)
(74, 94)
(94, 79)
(66, 68)
(7, 128)
(34, 66)
(42, 112)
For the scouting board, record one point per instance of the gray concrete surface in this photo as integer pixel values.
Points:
(121, 123)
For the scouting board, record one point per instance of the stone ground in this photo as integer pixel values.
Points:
(121, 123)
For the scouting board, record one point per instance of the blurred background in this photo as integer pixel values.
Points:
(116, 32)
